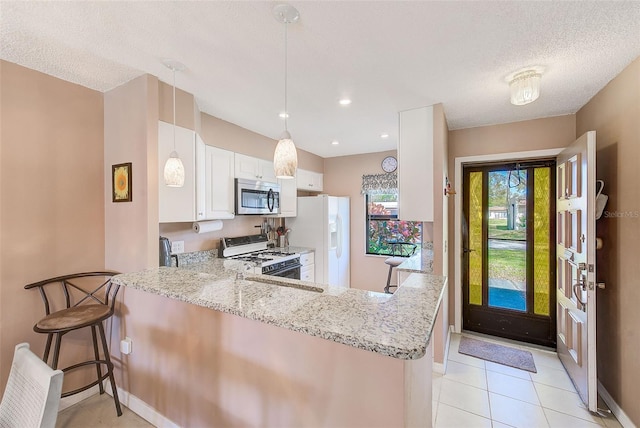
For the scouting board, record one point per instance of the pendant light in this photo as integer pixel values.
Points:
(285, 158)
(173, 168)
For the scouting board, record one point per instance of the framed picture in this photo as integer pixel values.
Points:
(121, 182)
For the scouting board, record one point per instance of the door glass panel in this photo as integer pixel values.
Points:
(541, 243)
(507, 239)
(475, 238)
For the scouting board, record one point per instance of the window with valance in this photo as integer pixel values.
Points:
(386, 234)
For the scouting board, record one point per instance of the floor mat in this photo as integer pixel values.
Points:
(504, 355)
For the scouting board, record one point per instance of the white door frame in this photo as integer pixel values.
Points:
(459, 162)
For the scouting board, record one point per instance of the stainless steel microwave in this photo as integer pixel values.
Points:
(257, 197)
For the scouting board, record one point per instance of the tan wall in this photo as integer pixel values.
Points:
(538, 134)
(343, 177)
(51, 200)
(186, 108)
(614, 113)
(131, 135)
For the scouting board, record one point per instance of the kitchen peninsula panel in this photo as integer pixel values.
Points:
(397, 325)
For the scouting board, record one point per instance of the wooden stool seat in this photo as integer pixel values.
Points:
(89, 299)
(72, 318)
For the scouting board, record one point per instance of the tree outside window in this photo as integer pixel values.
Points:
(386, 234)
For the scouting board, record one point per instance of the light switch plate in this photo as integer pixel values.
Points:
(177, 247)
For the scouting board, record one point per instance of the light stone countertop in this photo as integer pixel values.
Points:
(398, 325)
(419, 263)
(292, 249)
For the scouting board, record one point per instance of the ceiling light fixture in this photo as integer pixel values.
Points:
(284, 115)
(525, 87)
(173, 168)
(335, 142)
(285, 157)
(385, 135)
(345, 102)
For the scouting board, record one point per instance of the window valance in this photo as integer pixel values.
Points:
(380, 183)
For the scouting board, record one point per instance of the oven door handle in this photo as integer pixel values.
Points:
(271, 200)
(288, 269)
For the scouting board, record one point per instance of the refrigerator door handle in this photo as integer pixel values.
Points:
(339, 236)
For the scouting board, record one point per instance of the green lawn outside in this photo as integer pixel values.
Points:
(507, 264)
(498, 230)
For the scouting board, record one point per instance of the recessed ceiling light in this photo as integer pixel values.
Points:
(384, 135)
(335, 142)
(345, 102)
(284, 115)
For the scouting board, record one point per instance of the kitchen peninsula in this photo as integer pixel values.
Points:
(300, 373)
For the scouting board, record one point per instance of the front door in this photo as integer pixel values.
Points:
(576, 268)
(509, 251)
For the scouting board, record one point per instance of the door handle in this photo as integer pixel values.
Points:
(583, 287)
(467, 250)
(271, 200)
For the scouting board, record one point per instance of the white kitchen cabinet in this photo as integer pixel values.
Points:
(180, 204)
(288, 197)
(254, 168)
(415, 164)
(307, 268)
(309, 180)
(219, 185)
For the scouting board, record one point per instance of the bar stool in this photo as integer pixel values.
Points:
(392, 262)
(91, 305)
(400, 251)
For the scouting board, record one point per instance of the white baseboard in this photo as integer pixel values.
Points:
(69, 401)
(442, 367)
(141, 408)
(622, 417)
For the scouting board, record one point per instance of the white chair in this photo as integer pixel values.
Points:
(32, 395)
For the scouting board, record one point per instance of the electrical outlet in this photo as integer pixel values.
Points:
(126, 346)
(177, 247)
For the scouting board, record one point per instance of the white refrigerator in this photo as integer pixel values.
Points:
(322, 223)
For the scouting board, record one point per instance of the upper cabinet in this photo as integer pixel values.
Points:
(179, 204)
(416, 165)
(219, 185)
(309, 180)
(288, 197)
(254, 168)
(207, 193)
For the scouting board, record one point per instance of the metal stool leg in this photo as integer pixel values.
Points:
(105, 349)
(47, 348)
(97, 355)
(386, 289)
(56, 351)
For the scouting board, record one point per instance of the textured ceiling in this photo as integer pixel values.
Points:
(387, 56)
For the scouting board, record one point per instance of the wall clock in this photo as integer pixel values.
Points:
(389, 164)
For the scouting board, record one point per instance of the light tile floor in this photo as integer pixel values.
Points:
(473, 393)
(98, 411)
(478, 393)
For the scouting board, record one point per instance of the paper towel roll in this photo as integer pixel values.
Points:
(207, 226)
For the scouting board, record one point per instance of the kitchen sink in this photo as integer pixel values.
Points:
(281, 283)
